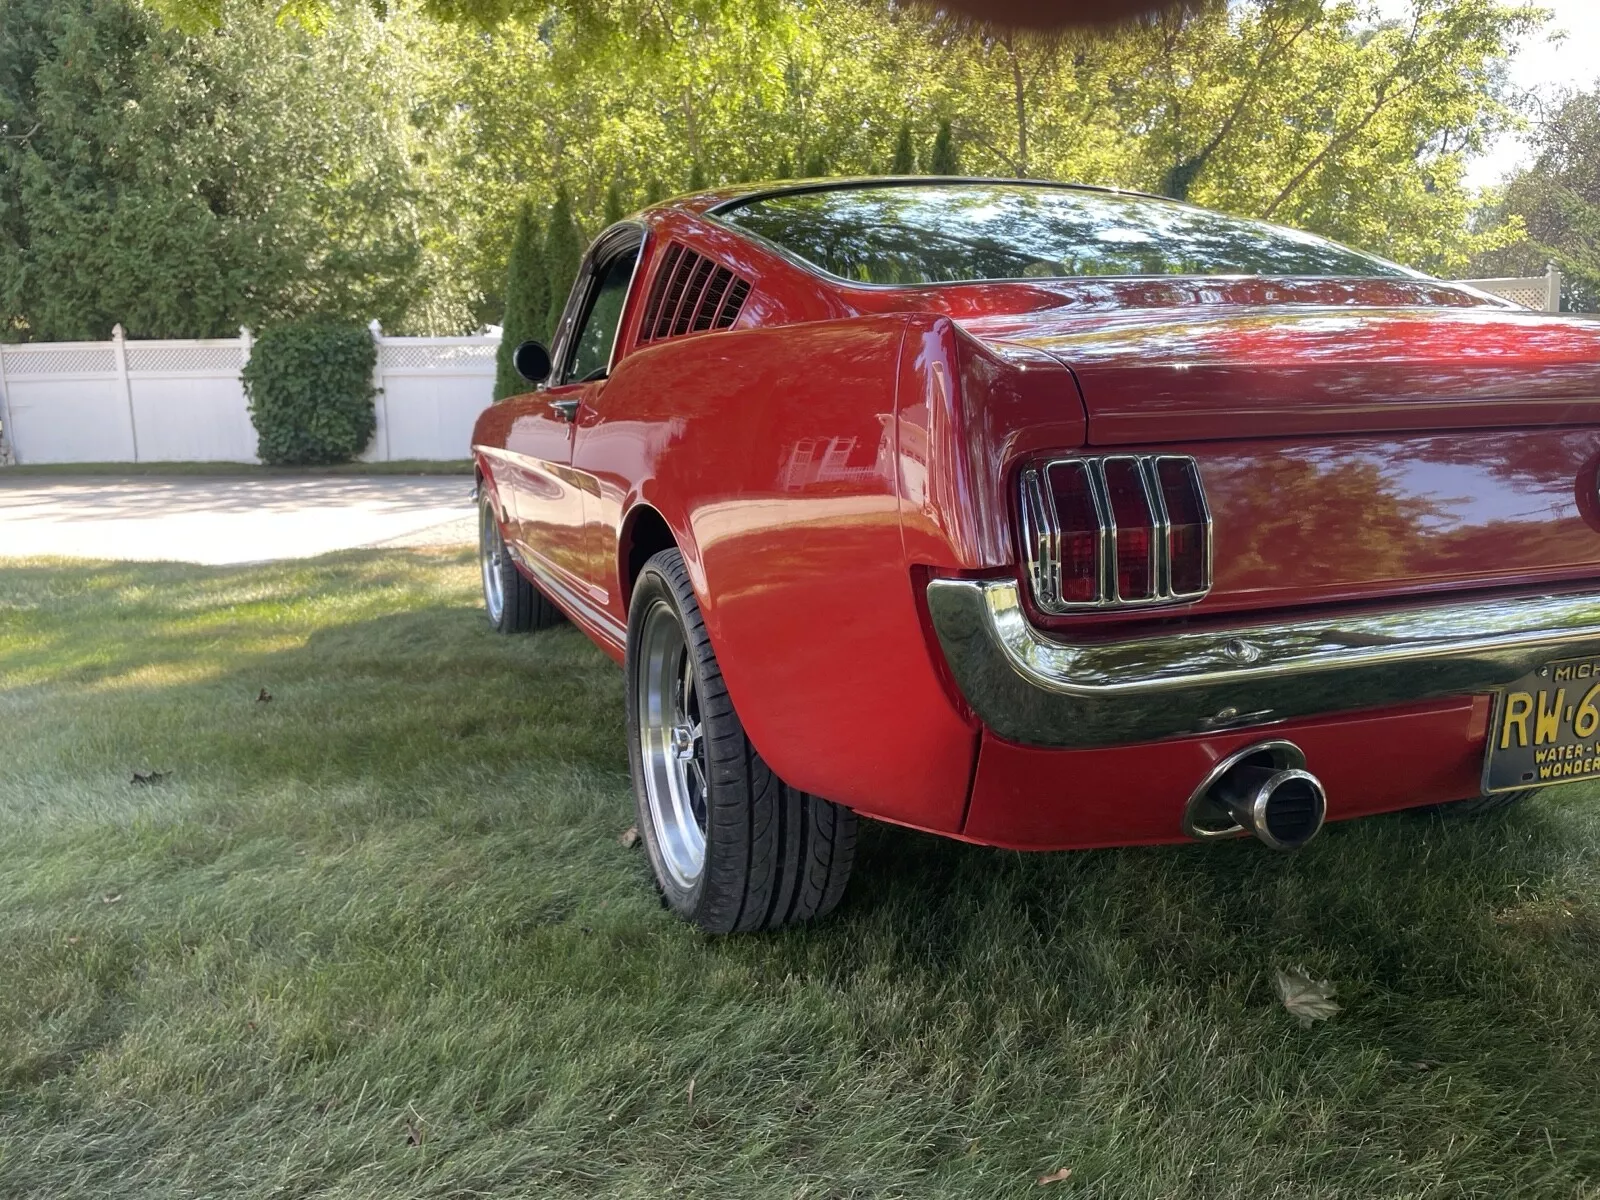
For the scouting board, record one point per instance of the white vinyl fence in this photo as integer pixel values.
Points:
(182, 401)
(1539, 292)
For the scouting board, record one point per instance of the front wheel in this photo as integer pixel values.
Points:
(733, 847)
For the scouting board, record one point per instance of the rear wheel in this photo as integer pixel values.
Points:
(1481, 806)
(732, 846)
(512, 604)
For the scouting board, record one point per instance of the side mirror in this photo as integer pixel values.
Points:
(532, 362)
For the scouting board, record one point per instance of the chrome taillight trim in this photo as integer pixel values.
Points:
(1041, 533)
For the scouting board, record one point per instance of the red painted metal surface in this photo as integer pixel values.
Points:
(1370, 763)
(1357, 440)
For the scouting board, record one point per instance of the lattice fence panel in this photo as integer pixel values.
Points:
(462, 356)
(186, 360)
(55, 360)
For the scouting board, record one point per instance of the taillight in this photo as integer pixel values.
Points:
(1119, 530)
(1078, 529)
(1135, 528)
(1188, 526)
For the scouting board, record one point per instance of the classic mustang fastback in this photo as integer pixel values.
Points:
(1045, 517)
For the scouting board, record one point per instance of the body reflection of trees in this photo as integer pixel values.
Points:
(1311, 520)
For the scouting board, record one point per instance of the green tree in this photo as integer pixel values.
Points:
(182, 186)
(1550, 211)
(527, 302)
(563, 248)
(613, 210)
(905, 159)
(942, 160)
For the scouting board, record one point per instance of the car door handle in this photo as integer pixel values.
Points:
(567, 410)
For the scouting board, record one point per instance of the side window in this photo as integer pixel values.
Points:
(597, 332)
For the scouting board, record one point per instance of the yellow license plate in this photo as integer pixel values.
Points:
(1546, 728)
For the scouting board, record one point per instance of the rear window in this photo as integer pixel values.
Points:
(946, 233)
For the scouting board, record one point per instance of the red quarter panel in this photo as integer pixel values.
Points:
(775, 450)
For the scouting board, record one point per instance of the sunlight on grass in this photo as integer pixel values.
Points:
(377, 936)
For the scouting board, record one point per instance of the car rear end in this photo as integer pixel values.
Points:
(1306, 559)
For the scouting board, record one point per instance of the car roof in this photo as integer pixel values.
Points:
(714, 200)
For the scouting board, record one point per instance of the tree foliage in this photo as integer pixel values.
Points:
(527, 302)
(309, 386)
(186, 186)
(1550, 212)
(563, 247)
(905, 157)
(1315, 113)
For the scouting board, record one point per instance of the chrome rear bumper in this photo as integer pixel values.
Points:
(1041, 691)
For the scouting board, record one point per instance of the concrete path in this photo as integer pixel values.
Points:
(229, 520)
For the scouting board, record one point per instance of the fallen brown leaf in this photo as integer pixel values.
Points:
(1061, 1176)
(630, 837)
(1308, 999)
(74, 940)
(111, 898)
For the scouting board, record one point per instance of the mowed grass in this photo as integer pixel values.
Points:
(377, 936)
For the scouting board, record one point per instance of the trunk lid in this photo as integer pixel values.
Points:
(1222, 371)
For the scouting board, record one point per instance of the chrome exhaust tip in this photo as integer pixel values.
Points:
(1263, 790)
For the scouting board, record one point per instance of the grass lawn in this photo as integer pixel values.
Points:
(378, 937)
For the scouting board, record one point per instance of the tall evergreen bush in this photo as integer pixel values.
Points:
(905, 160)
(943, 160)
(527, 302)
(563, 248)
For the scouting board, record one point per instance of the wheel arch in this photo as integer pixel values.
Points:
(645, 532)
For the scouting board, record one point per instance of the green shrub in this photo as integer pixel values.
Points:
(527, 303)
(309, 384)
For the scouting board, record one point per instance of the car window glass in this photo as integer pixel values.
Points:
(944, 233)
(591, 348)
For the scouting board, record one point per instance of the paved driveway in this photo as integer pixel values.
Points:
(229, 520)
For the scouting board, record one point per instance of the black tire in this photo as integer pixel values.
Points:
(772, 855)
(512, 603)
(1480, 806)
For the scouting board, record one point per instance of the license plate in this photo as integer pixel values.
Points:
(1546, 728)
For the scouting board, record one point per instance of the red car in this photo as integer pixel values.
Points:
(1045, 517)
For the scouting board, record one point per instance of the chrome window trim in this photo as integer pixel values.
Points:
(562, 343)
(1044, 691)
(1040, 530)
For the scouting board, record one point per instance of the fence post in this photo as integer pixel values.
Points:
(8, 431)
(377, 381)
(119, 351)
(1552, 277)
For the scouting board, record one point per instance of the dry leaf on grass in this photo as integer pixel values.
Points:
(1308, 999)
(111, 898)
(264, 696)
(630, 837)
(1061, 1176)
(691, 1093)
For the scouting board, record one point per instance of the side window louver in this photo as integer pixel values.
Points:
(690, 295)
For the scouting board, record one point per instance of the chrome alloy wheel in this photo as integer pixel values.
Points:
(491, 557)
(672, 745)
